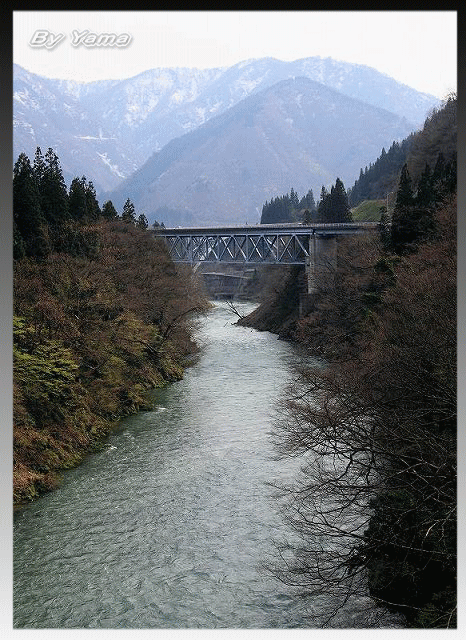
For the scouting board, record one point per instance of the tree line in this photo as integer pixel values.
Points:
(101, 316)
(438, 137)
(44, 210)
(333, 206)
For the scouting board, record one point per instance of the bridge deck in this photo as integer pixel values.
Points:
(284, 227)
(286, 243)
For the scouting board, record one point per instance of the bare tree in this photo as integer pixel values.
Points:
(375, 503)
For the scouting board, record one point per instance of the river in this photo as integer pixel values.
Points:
(169, 525)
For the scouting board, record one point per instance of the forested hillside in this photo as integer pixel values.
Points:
(437, 139)
(333, 206)
(101, 315)
(381, 177)
(378, 413)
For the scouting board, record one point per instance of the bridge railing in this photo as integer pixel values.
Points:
(262, 244)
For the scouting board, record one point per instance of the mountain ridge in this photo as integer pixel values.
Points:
(296, 133)
(107, 129)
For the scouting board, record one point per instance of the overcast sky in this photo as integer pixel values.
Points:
(417, 48)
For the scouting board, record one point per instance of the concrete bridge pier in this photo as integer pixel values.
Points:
(321, 263)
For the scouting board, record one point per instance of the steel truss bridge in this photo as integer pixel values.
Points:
(292, 244)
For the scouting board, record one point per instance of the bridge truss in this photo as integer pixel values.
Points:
(263, 244)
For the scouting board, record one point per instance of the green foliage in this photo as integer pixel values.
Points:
(82, 201)
(45, 377)
(404, 195)
(109, 211)
(100, 319)
(129, 213)
(289, 208)
(280, 209)
(413, 214)
(368, 211)
(53, 193)
(30, 237)
(382, 176)
(142, 222)
(333, 205)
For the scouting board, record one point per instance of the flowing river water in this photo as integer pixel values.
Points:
(169, 525)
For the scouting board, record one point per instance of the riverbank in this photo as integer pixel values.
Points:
(93, 333)
(169, 525)
(387, 331)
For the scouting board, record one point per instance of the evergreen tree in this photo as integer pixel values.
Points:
(30, 236)
(77, 200)
(404, 196)
(38, 167)
(294, 200)
(129, 213)
(109, 211)
(142, 222)
(410, 222)
(92, 205)
(308, 202)
(278, 210)
(82, 201)
(339, 207)
(54, 196)
(424, 195)
(311, 203)
(323, 206)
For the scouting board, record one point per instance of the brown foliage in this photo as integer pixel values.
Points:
(335, 321)
(376, 425)
(94, 333)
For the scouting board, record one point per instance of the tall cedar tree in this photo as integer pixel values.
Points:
(323, 206)
(83, 205)
(30, 237)
(129, 213)
(109, 211)
(142, 222)
(340, 210)
(77, 201)
(333, 206)
(93, 209)
(54, 196)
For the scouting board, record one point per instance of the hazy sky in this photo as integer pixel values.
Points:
(418, 48)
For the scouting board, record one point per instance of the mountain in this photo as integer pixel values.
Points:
(107, 129)
(48, 114)
(297, 133)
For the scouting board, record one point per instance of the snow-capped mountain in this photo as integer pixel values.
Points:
(105, 130)
(46, 114)
(297, 133)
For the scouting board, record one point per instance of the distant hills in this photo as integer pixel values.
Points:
(227, 139)
(297, 133)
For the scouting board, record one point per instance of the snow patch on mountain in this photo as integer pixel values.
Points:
(113, 167)
(145, 112)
